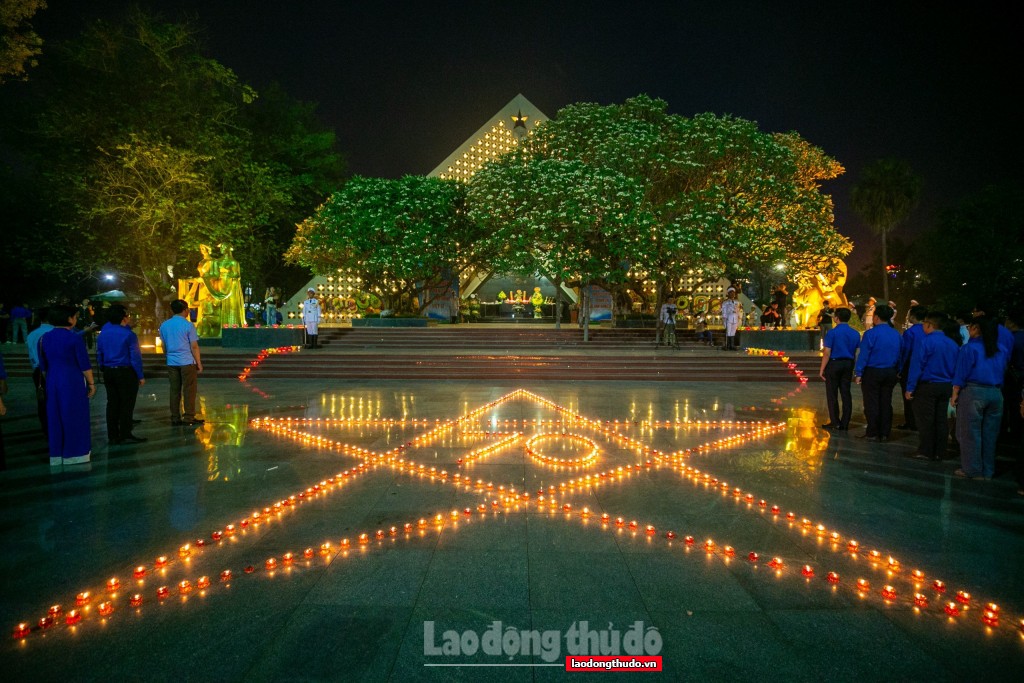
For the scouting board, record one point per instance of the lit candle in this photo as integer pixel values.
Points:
(853, 546)
(963, 597)
(918, 575)
(249, 569)
(325, 548)
(22, 630)
(888, 592)
(106, 609)
(920, 600)
(832, 577)
(775, 563)
(307, 553)
(807, 571)
(74, 616)
(55, 611)
(185, 550)
(83, 598)
(271, 563)
(990, 618)
(225, 575)
(113, 584)
(863, 585)
(689, 540)
(951, 609)
(139, 572)
(939, 586)
(185, 587)
(753, 557)
(161, 562)
(162, 592)
(288, 558)
(729, 550)
(216, 535)
(670, 535)
(364, 539)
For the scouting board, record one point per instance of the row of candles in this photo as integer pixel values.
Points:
(921, 594)
(805, 526)
(185, 551)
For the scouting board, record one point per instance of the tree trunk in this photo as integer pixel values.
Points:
(558, 303)
(585, 312)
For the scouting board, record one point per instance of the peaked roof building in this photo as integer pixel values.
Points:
(498, 135)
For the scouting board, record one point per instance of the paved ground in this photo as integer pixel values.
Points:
(380, 610)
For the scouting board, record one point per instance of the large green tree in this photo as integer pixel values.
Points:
(400, 237)
(724, 196)
(884, 195)
(147, 148)
(974, 253)
(575, 223)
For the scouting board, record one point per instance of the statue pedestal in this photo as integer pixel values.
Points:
(780, 340)
(261, 337)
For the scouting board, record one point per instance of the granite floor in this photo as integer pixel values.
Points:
(503, 579)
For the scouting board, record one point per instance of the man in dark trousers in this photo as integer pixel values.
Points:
(840, 349)
(877, 374)
(930, 384)
(120, 360)
(913, 337)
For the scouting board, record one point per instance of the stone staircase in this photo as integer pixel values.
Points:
(498, 354)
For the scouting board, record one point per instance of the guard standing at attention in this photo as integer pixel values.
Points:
(311, 318)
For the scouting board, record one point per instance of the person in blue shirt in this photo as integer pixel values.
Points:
(119, 358)
(37, 375)
(69, 386)
(876, 372)
(840, 348)
(181, 346)
(912, 338)
(1013, 392)
(930, 383)
(978, 398)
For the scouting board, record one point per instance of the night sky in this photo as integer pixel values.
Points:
(403, 84)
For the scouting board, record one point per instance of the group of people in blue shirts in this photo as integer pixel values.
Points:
(940, 374)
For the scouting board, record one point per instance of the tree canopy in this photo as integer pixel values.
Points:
(149, 148)
(885, 194)
(19, 44)
(712, 194)
(399, 236)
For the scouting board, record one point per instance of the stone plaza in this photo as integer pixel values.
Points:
(483, 530)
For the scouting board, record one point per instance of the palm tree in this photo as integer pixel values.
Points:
(888, 190)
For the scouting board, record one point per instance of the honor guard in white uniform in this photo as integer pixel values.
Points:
(732, 311)
(311, 318)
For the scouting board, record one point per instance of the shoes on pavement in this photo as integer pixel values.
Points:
(78, 460)
(56, 462)
(830, 425)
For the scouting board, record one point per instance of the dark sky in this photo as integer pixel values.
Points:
(404, 84)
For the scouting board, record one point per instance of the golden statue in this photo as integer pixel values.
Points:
(217, 293)
(814, 290)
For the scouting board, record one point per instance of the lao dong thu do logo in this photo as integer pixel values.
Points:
(508, 641)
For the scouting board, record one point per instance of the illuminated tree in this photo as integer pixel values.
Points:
(400, 236)
(885, 194)
(19, 44)
(572, 222)
(129, 127)
(717, 195)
